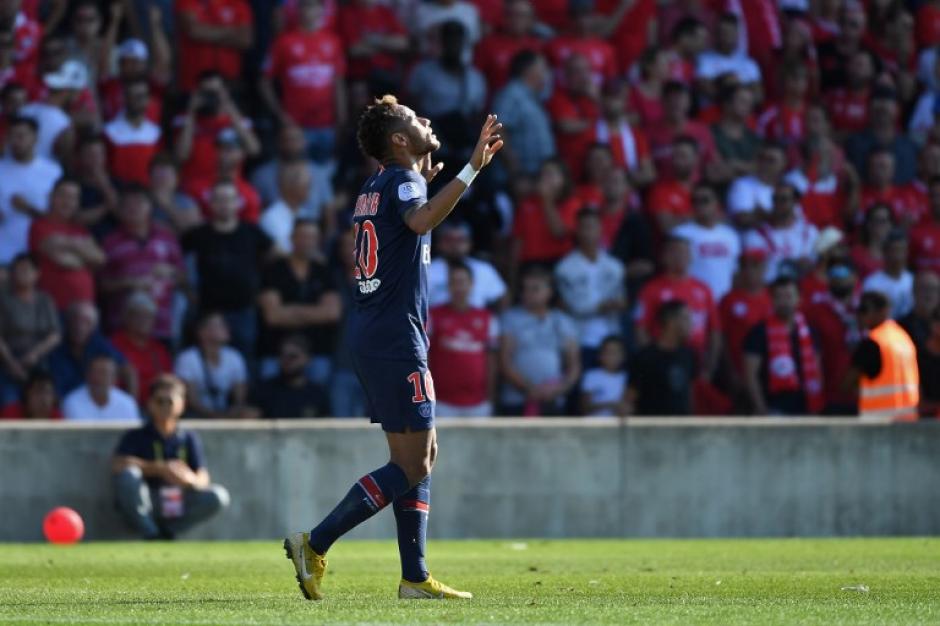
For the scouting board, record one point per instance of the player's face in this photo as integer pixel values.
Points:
(420, 136)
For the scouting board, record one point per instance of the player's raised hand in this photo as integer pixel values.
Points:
(489, 143)
(428, 170)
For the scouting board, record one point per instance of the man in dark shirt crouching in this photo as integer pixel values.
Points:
(160, 476)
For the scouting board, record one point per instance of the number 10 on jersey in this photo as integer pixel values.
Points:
(366, 256)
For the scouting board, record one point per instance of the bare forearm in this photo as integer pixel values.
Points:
(46, 346)
(424, 218)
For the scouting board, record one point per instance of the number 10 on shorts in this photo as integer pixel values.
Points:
(415, 378)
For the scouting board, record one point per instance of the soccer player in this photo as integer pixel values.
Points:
(392, 222)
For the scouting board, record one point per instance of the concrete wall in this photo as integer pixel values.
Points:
(519, 478)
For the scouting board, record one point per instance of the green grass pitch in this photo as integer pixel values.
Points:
(836, 581)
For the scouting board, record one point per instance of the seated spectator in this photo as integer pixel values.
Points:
(539, 355)
(726, 58)
(926, 300)
(736, 143)
(298, 295)
(229, 255)
(133, 138)
(278, 219)
(604, 388)
(171, 207)
(782, 121)
(575, 112)
(38, 400)
(211, 110)
(580, 36)
(266, 178)
(83, 342)
(453, 246)
(230, 162)
(67, 253)
(894, 280)
(880, 189)
(290, 392)
(629, 145)
(662, 372)
(213, 37)
(141, 257)
(848, 104)
(782, 369)
(308, 64)
(677, 103)
(591, 287)
(832, 317)
(785, 236)
(494, 53)
(646, 94)
(675, 284)
(29, 327)
(670, 200)
(527, 128)
(715, 246)
(374, 39)
(26, 180)
(868, 252)
(928, 363)
(882, 132)
(544, 222)
(925, 236)
(215, 374)
(99, 399)
(464, 340)
(744, 306)
(750, 198)
(161, 482)
(135, 339)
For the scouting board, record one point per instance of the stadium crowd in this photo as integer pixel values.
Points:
(691, 192)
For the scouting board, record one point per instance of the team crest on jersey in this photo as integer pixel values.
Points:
(426, 409)
(408, 191)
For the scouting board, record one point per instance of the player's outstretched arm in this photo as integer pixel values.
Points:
(425, 217)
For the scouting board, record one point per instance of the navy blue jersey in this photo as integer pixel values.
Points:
(391, 312)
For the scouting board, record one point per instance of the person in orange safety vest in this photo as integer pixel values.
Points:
(889, 382)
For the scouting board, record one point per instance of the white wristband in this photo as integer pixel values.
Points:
(467, 174)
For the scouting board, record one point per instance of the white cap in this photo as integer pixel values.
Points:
(71, 75)
(133, 49)
(828, 239)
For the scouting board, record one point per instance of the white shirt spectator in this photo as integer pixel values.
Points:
(710, 65)
(828, 185)
(488, 285)
(80, 406)
(214, 383)
(604, 387)
(900, 291)
(32, 182)
(52, 122)
(783, 244)
(584, 285)
(277, 221)
(748, 193)
(715, 253)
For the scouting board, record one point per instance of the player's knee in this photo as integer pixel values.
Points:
(220, 497)
(129, 476)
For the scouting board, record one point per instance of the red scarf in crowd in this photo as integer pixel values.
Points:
(781, 366)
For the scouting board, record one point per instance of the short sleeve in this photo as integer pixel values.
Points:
(567, 328)
(186, 367)
(739, 198)
(195, 457)
(410, 191)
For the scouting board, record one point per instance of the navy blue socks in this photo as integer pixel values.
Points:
(411, 514)
(367, 497)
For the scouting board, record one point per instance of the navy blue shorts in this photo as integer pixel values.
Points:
(399, 394)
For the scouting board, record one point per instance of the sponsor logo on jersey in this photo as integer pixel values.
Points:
(369, 286)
